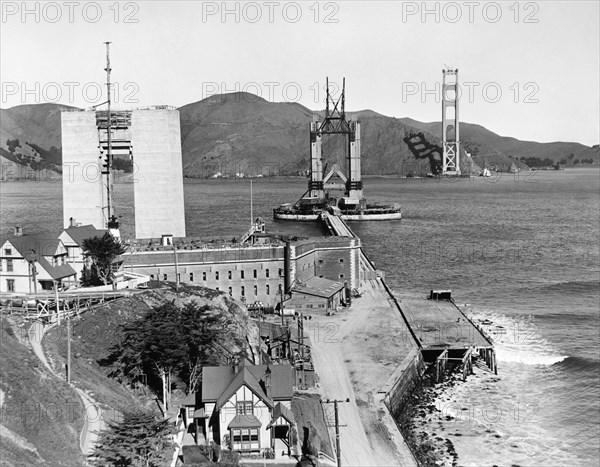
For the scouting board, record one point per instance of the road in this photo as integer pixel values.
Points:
(350, 360)
(93, 421)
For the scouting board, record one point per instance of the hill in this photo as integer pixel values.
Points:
(243, 133)
(483, 144)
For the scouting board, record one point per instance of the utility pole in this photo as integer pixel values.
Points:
(176, 266)
(281, 304)
(335, 403)
(68, 349)
(56, 299)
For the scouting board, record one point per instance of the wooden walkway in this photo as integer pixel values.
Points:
(441, 324)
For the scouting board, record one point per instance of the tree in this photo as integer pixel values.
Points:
(102, 251)
(139, 439)
(174, 342)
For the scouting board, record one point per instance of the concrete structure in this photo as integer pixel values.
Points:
(450, 126)
(152, 138)
(34, 263)
(82, 170)
(158, 187)
(249, 272)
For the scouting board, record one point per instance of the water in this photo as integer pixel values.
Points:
(522, 252)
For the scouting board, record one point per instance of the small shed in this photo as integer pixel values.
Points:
(440, 295)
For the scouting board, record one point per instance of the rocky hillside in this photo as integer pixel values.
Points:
(243, 133)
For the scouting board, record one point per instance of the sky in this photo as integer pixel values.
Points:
(529, 70)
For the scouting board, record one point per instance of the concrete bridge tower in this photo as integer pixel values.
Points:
(450, 129)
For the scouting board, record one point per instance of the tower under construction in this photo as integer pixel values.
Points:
(450, 123)
(351, 205)
(151, 138)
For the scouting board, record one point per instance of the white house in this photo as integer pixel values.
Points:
(34, 263)
(245, 408)
(72, 238)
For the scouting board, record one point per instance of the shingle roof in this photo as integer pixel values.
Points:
(216, 380)
(81, 233)
(244, 421)
(33, 247)
(56, 272)
(281, 410)
(244, 377)
(319, 287)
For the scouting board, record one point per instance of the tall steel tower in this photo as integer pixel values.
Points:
(450, 132)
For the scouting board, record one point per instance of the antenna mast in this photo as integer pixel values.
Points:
(109, 158)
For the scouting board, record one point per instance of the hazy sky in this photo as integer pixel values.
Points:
(528, 69)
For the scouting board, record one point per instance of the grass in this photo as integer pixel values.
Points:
(41, 415)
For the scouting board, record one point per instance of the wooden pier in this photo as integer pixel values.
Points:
(445, 334)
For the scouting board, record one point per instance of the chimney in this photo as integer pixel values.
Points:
(236, 365)
(18, 231)
(71, 222)
(268, 382)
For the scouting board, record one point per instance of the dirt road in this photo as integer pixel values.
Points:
(354, 353)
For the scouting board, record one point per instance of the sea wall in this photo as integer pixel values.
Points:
(403, 382)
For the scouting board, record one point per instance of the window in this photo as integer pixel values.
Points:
(341, 276)
(244, 407)
(242, 273)
(255, 274)
(309, 305)
(217, 275)
(243, 291)
(256, 290)
(268, 289)
(165, 276)
(280, 272)
(10, 285)
(203, 276)
(9, 265)
(230, 291)
(8, 251)
(245, 439)
(229, 275)
(266, 273)
(341, 260)
(321, 305)
(320, 261)
(191, 277)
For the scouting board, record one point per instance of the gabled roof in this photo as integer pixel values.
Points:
(281, 410)
(81, 233)
(244, 421)
(217, 381)
(33, 247)
(319, 287)
(244, 377)
(56, 272)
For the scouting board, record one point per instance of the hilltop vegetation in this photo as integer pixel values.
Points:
(40, 416)
(243, 133)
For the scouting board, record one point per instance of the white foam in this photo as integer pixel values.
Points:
(518, 340)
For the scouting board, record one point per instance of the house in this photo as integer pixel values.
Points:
(245, 408)
(316, 294)
(34, 263)
(72, 238)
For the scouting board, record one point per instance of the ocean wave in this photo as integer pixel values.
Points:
(577, 287)
(518, 340)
